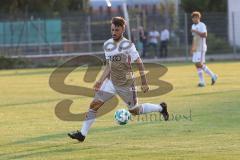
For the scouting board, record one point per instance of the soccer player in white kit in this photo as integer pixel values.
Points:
(199, 48)
(118, 78)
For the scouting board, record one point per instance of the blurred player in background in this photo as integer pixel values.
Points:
(165, 35)
(199, 48)
(143, 39)
(118, 78)
(153, 38)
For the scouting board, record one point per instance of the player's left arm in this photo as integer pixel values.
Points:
(136, 58)
(141, 69)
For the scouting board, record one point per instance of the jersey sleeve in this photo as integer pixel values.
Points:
(133, 53)
(193, 28)
(105, 53)
(203, 28)
(106, 56)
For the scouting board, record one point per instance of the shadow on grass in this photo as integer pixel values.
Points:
(36, 151)
(37, 102)
(209, 93)
(37, 139)
(42, 153)
(119, 128)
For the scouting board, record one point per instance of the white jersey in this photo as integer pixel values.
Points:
(120, 55)
(154, 36)
(164, 35)
(199, 42)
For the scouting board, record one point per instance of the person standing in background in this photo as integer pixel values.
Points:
(143, 40)
(153, 40)
(164, 42)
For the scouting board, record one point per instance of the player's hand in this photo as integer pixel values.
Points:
(192, 50)
(97, 86)
(194, 31)
(144, 88)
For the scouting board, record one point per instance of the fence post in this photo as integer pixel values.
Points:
(233, 34)
(144, 23)
(89, 31)
(39, 36)
(4, 39)
(138, 25)
(126, 16)
(186, 35)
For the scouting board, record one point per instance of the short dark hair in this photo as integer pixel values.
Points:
(196, 13)
(118, 21)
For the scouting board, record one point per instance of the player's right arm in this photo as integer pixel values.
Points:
(193, 48)
(201, 34)
(104, 75)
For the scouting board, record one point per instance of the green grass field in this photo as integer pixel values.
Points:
(30, 129)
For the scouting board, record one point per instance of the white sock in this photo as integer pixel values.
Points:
(200, 75)
(208, 71)
(90, 118)
(148, 107)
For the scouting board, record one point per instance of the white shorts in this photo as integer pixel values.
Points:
(198, 57)
(127, 94)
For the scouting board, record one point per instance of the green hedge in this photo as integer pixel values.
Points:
(10, 63)
(217, 45)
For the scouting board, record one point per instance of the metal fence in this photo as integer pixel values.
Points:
(74, 33)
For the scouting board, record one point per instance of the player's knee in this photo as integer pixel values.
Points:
(134, 111)
(96, 104)
(199, 65)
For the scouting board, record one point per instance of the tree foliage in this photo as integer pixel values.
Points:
(42, 6)
(204, 5)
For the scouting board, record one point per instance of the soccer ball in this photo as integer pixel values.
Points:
(122, 116)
